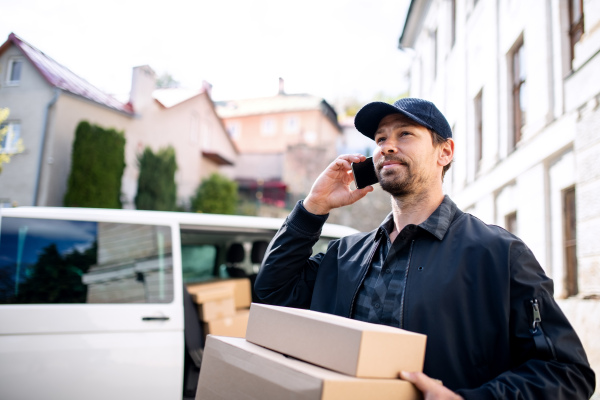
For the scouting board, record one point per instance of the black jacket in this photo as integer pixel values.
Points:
(472, 293)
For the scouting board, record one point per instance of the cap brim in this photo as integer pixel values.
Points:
(368, 118)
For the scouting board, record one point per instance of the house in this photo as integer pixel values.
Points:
(182, 118)
(47, 101)
(285, 141)
(518, 83)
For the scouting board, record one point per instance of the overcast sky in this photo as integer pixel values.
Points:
(329, 48)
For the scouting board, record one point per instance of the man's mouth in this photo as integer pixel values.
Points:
(390, 163)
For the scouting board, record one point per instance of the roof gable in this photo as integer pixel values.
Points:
(276, 104)
(61, 77)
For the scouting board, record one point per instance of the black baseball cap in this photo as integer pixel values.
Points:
(421, 111)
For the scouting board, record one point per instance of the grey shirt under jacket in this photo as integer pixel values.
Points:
(469, 287)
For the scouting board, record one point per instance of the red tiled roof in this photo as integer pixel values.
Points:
(61, 77)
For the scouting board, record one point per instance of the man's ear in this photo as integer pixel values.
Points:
(446, 152)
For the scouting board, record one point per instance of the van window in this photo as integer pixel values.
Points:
(198, 262)
(44, 261)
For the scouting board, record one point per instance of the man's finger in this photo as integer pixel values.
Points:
(419, 379)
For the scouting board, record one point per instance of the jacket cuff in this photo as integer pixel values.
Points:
(305, 221)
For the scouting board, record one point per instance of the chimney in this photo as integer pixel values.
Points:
(143, 83)
(281, 84)
(207, 87)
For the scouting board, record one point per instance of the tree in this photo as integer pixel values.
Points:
(216, 195)
(56, 278)
(166, 81)
(15, 147)
(97, 165)
(157, 189)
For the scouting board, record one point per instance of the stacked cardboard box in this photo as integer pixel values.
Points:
(223, 305)
(333, 358)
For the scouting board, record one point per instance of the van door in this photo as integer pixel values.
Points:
(90, 309)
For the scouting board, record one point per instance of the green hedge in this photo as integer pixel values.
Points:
(216, 195)
(156, 183)
(97, 165)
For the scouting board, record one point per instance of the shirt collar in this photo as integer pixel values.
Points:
(437, 223)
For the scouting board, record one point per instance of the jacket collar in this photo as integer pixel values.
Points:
(437, 224)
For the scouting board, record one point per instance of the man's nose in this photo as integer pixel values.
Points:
(388, 147)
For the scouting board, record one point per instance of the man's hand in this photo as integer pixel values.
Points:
(332, 188)
(432, 389)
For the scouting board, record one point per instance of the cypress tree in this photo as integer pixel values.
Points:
(157, 189)
(97, 165)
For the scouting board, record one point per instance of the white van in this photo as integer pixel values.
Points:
(92, 300)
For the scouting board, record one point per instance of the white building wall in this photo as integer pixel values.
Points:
(560, 144)
(531, 211)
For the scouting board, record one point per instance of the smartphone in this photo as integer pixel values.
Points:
(364, 173)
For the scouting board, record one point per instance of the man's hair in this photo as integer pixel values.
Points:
(438, 141)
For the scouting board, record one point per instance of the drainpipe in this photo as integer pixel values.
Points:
(43, 145)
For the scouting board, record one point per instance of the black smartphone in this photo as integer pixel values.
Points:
(364, 173)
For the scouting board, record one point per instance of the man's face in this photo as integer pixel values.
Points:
(405, 158)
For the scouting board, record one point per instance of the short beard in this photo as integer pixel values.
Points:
(394, 186)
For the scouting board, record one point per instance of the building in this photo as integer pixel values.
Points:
(47, 101)
(517, 81)
(181, 118)
(285, 141)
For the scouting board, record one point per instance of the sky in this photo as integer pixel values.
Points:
(334, 49)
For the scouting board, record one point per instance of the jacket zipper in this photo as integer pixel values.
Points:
(405, 285)
(375, 247)
(537, 318)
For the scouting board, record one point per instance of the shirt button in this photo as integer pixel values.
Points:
(388, 271)
(376, 305)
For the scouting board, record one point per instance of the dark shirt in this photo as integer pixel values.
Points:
(380, 297)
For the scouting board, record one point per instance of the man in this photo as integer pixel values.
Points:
(493, 328)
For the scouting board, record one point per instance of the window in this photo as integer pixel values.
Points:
(234, 129)
(15, 67)
(194, 128)
(519, 93)
(292, 125)
(570, 242)
(478, 120)
(435, 53)
(198, 262)
(510, 222)
(46, 261)
(575, 23)
(10, 136)
(452, 23)
(268, 127)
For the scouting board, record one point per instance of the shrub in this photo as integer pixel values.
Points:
(216, 195)
(97, 165)
(157, 189)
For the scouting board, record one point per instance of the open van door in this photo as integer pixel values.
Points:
(90, 306)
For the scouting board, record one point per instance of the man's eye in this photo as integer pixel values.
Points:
(379, 140)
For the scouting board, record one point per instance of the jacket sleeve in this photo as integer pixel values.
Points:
(288, 272)
(555, 368)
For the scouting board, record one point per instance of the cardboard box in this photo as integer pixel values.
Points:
(230, 326)
(240, 286)
(211, 294)
(216, 309)
(345, 345)
(233, 368)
